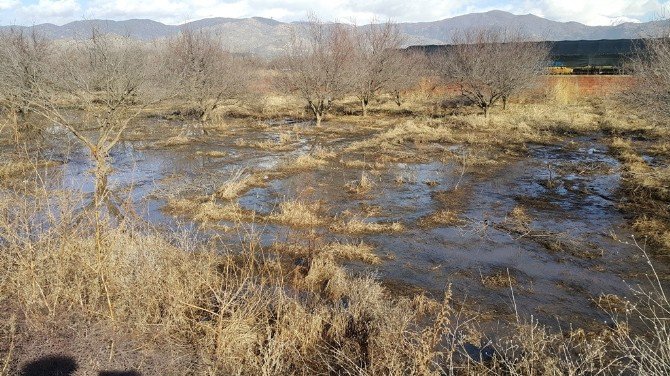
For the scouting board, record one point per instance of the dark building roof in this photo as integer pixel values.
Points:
(578, 53)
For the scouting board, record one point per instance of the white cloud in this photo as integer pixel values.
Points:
(599, 12)
(56, 11)
(8, 4)
(591, 12)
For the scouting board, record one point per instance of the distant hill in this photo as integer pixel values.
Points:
(267, 37)
(534, 27)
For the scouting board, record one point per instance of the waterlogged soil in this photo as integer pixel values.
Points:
(536, 233)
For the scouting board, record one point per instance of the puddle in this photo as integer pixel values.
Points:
(570, 257)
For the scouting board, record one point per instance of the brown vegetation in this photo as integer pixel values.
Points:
(118, 293)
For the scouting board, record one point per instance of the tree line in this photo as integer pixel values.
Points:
(114, 78)
(323, 63)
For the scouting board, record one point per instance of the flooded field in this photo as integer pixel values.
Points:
(529, 230)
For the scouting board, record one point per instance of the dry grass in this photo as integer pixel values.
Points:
(409, 131)
(353, 251)
(234, 186)
(358, 226)
(377, 165)
(361, 186)
(648, 190)
(498, 280)
(304, 162)
(212, 153)
(443, 217)
(136, 298)
(20, 167)
(657, 229)
(178, 140)
(203, 209)
(127, 296)
(285, 141)
(210, 211)
(336, 251)
(298, 214)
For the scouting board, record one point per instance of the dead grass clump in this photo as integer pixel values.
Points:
(178, 140)
(519, 213)
(184, 206)
(648, 191)
(499, 279)
(520, 219)
(410, 131)
(612, 303)
(210, 211)
(320, 152)
(298, 214)
(361, 186)
(305, 162)
(359, 226)
(212, 153)
(357, 164)
(658, 230)
(564, 91)
(443, 217)
(234, 186)
(349, 251)
(337, 251)
(285, 141)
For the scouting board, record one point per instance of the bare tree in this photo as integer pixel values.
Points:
(24, 62)
(107, 77)
(378, 61)
(202, 72)
(491, 65)
(318, 68)
(651, 67)
(414, 67)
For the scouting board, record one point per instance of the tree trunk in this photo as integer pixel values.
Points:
(101, 179)
(15, 124)
(397, 98)
(504, 100)
(318, 117)
(364, 105)
(486, 111)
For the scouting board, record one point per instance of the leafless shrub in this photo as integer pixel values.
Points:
(415, 67)
(379, 64)
(491, 65)
(318, 69)
(24, 64)
(107, 77)
(651, 67)
(201, 72)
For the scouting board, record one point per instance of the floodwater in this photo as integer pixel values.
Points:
(577, 246)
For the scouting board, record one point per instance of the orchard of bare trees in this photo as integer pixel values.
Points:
(114, 79)
(490, 66)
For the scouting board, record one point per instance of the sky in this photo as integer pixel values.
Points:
(590, 12)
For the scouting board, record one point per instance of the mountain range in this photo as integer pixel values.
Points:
(267, 37)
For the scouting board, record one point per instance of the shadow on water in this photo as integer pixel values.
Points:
(59, 365)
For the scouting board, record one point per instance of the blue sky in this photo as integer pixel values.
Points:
(591, 12)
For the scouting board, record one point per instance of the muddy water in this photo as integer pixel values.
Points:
(574, 250)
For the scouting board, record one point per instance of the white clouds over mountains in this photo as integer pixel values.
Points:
(591, 12)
